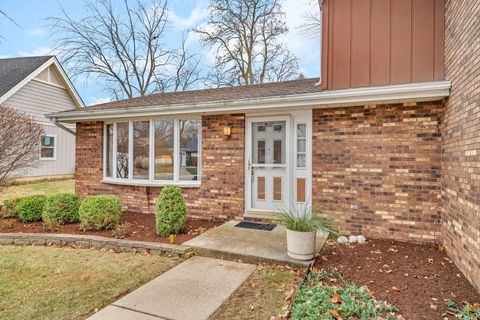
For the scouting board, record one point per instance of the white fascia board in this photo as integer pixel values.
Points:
(426, 91)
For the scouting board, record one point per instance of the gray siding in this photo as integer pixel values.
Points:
(38, 99)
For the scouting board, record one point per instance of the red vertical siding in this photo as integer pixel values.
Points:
(341, 10)
(422, 40)
(380, 42)
(401, 45)
(360, 26)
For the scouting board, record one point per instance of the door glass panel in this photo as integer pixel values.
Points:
(301, 160)
(261, 152)
(301, 130)
(277, 188)
(301, 145)
(164, 149)
(277, 152)
(269, 142)
(122, 150)
(261, 188)
(141, 133)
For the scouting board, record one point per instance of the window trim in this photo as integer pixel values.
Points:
(176, 156)
(55, 141)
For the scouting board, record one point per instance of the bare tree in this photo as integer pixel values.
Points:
(245, 38)
(122, 43)
(19, 143)
(312, 25)
(4, 14)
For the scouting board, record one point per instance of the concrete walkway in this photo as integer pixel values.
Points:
(192, 290)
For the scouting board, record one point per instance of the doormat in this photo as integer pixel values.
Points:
(256, 226)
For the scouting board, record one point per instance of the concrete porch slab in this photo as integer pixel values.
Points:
(248, 245)
(193, 290)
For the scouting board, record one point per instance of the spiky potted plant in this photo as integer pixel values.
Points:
(303, 225)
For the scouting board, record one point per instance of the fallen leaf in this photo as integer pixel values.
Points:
(336, 298)
(474, 307)
(395, 289)
(335, 314)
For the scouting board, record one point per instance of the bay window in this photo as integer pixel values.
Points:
(153, 152)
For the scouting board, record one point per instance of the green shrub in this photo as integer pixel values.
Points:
(9, 206)
(170, 211)
(60, 209)
(100, 212)
(30, 208)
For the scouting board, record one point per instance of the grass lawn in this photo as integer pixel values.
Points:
(65, 283)
(39, 188)
(262, 296)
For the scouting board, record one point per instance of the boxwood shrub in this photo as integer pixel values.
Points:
(30, 208)
(60, 209)
(9, 207)
(170, 211)
(100, 212)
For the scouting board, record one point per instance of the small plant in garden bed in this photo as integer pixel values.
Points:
(120, 230)
(100, 212)
(60, 209)
(9, 207)
(170, 211)
(327, 295)
(30, 208)
(465, 312)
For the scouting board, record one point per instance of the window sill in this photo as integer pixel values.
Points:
(140, 183)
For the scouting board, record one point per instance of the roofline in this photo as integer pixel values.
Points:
(425, 91)
(52, 60)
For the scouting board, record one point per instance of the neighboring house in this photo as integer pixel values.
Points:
(39, 86)
(387, 144)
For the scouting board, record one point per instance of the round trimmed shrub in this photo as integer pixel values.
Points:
(170, 211)
(9, 207)
(100, 212)
(30, 208)
(60, 209)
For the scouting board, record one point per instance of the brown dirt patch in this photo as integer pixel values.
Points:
(415, 278)
(141, 227)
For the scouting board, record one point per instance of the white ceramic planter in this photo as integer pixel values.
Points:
(301, 245)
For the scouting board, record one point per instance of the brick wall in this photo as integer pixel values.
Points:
(461, 138)
(377, 169)
(221, 191)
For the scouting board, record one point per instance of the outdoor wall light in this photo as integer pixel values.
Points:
(227, 131)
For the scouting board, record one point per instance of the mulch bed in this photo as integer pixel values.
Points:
(141, 227)
(415, 278)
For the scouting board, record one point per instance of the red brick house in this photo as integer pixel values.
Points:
(387, 140)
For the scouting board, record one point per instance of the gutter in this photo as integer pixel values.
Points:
(426, 91)
(61, 126)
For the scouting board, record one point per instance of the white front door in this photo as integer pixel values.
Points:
(268, 164)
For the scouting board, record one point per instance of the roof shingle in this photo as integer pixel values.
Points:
(215, 95)
(14, 70)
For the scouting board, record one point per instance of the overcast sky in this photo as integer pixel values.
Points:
(33, 36)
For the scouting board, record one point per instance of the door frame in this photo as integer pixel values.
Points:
(248, 156)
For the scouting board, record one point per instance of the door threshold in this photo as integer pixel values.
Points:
(261, 215)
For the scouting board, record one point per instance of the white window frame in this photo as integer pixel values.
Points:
(176, 155)
(55, 141)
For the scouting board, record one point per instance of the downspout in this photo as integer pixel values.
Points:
(320, 5)
(61, 126)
